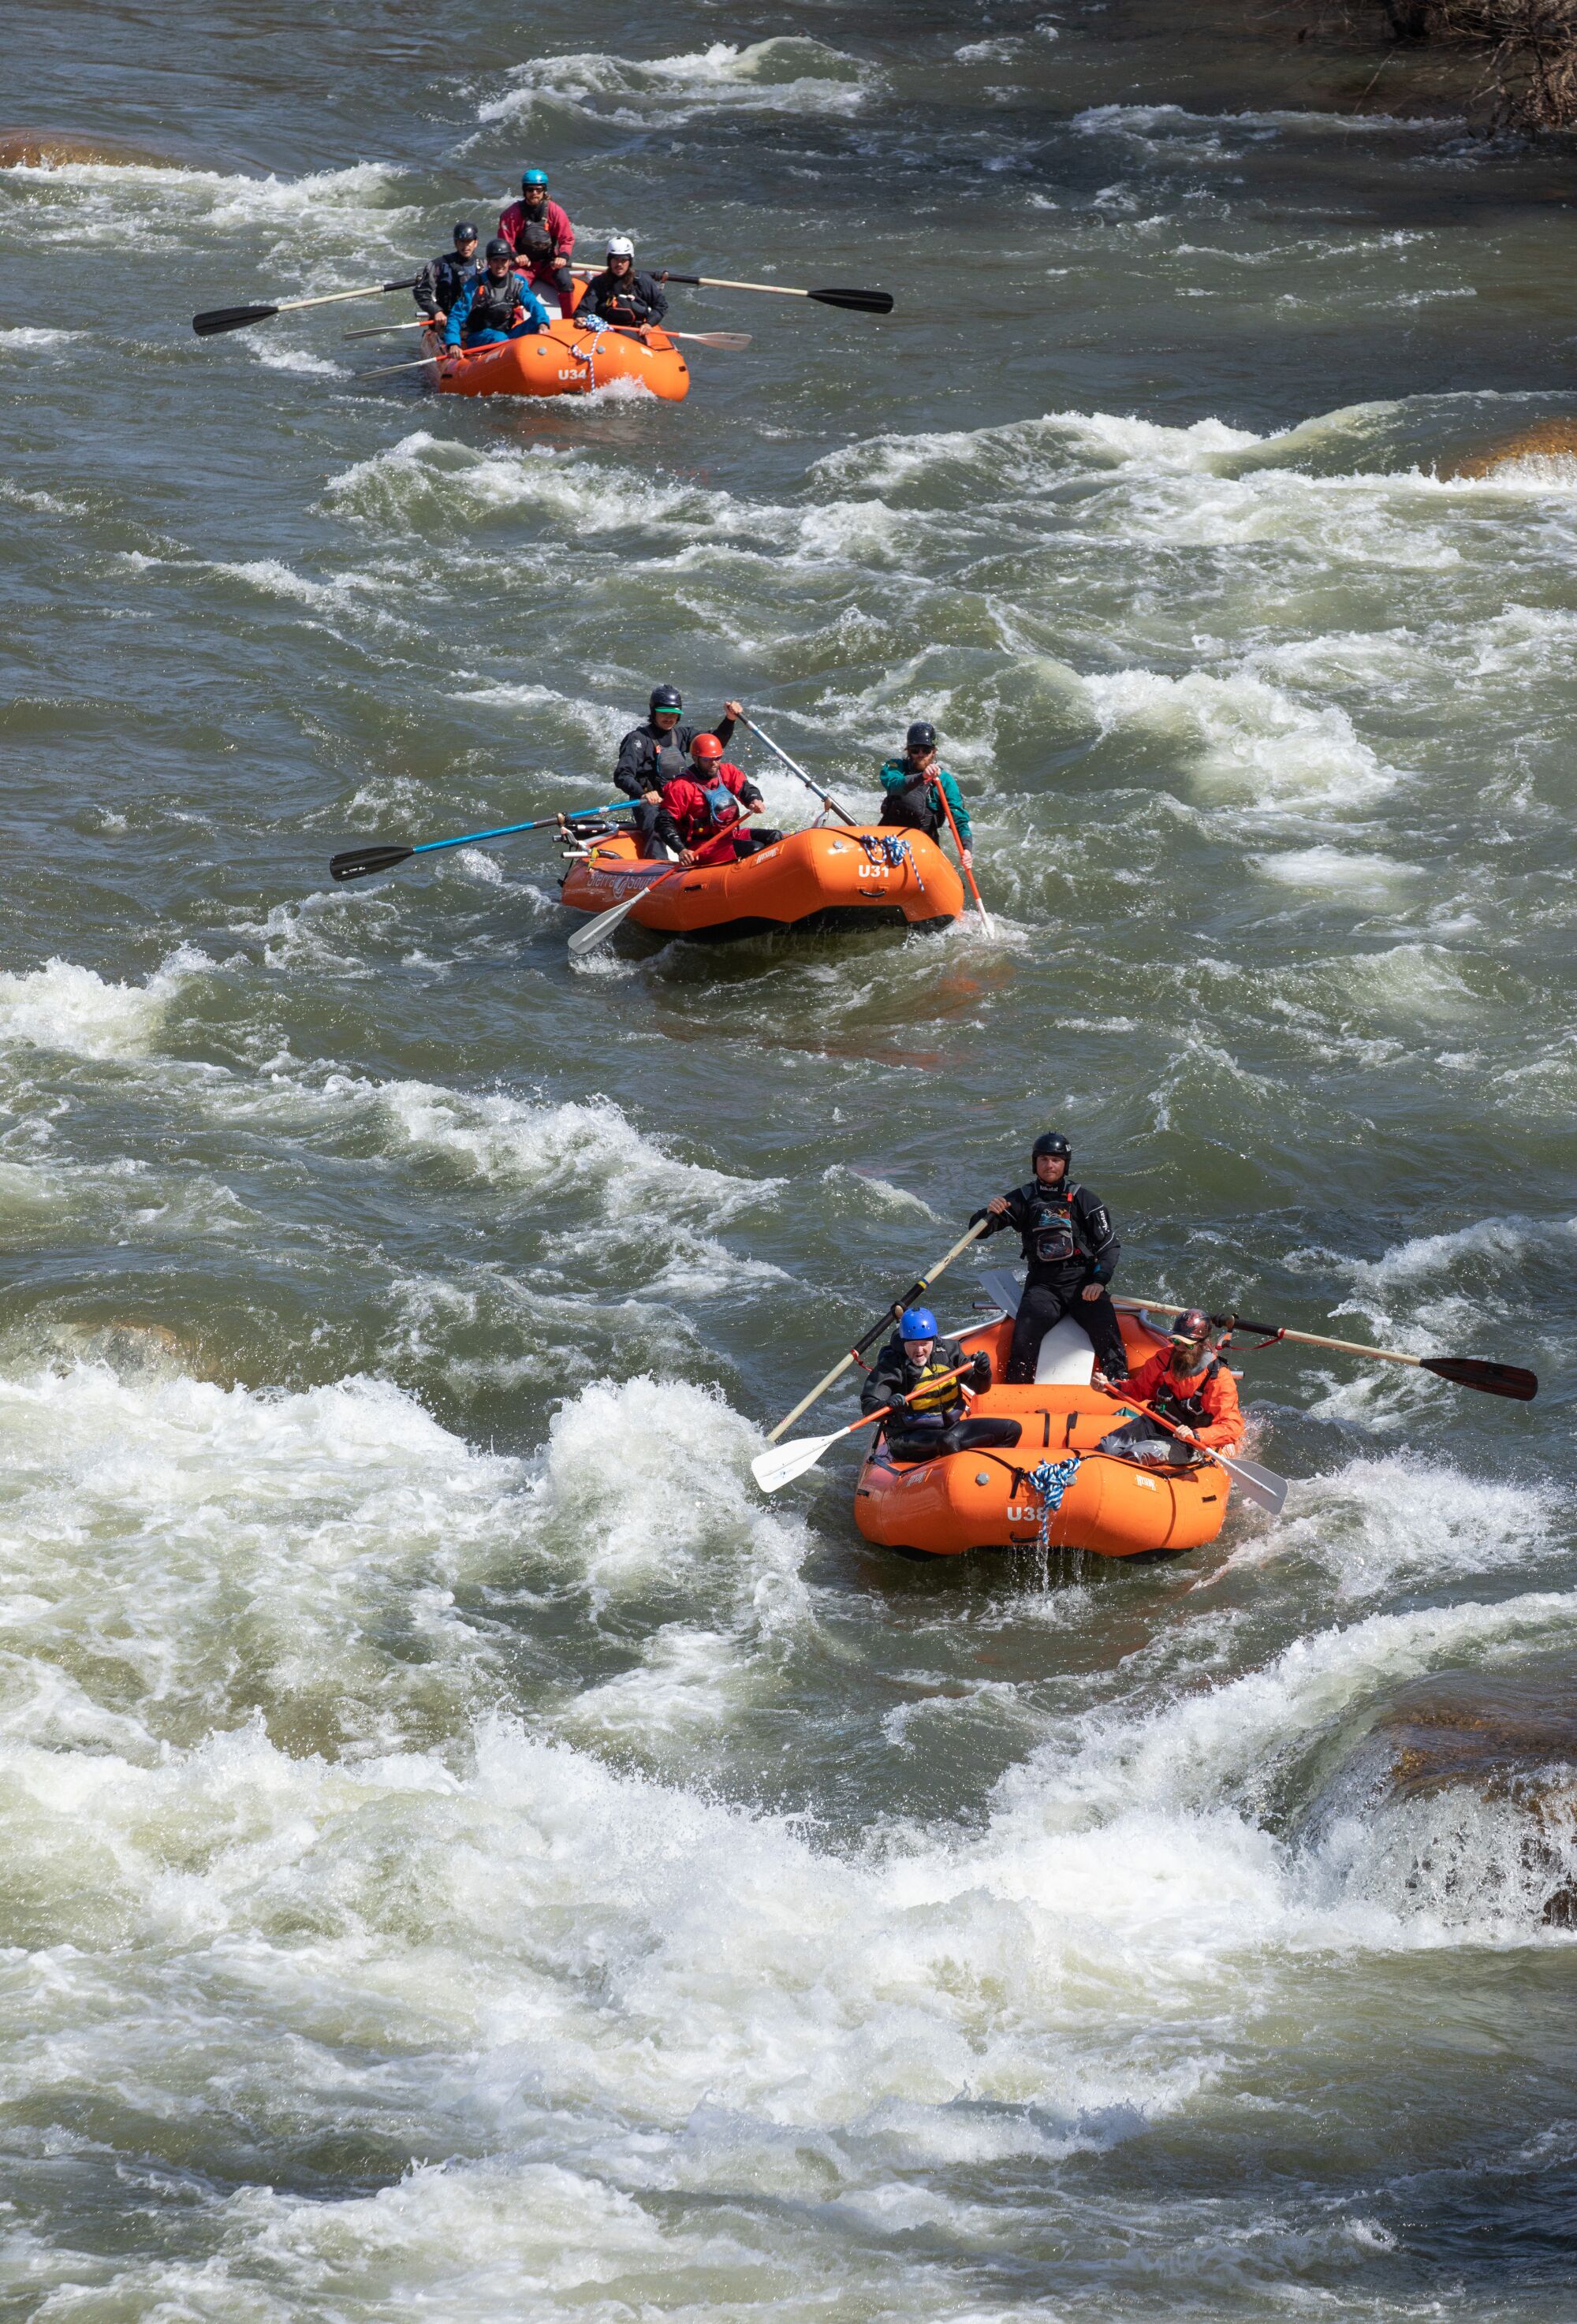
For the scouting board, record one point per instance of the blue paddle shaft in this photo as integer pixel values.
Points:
(507, 830)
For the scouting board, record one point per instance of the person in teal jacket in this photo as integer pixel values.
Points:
(916, 786)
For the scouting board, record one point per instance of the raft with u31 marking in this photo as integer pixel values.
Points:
(830, 876)
(1053, 1487)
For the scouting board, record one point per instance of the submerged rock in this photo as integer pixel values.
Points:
(1462, 1797)
(52, 149)
(1540, 446)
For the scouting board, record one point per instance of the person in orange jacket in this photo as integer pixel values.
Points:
(1188, 1385)
(699, 814)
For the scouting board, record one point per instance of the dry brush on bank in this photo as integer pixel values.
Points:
(1528, 47)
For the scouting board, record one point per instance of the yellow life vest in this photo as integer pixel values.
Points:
(935, 1399)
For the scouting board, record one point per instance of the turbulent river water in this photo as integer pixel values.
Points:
(463, 1853)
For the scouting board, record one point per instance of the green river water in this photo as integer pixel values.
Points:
(463, 1854)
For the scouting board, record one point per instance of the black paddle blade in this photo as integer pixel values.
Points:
(864, 302)
(361, 862)
(229, 318)
(1495, 1379)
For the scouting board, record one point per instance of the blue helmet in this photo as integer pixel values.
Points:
(916, 1324)
(532, 179)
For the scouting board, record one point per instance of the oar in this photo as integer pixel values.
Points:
(1467, 1372)
(964, 864)
(596, 932)
(384, 371)
(361, 862)
(1261, 1486)
(239, 319)
(917, 1290)
(773, 1471)
(732, 342)
(826, 797)
(588, 937)
(386, 330)
(864, 302)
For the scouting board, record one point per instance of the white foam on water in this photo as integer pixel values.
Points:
(509, 1141)
(1339, 871)
(31, 339)
(779, 75)
(71, 1010)
(1396, 1520)
(1240, 734)
(273, 357)
(291, 1539)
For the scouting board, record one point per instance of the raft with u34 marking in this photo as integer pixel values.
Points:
(1052, 1489)
(830, 876)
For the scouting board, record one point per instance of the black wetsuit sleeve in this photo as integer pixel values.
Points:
(723, 730)
(667, 830)
(885, 1375)
(630, 772)
(1010, 1217)
(425, 289)
(655, 297)
(1099, 1235)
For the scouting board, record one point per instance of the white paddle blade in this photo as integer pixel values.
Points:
(1261, 1486)
(780, 1467)
(734, 343)
(596, 932)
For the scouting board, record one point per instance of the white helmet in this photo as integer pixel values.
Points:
(621, 246)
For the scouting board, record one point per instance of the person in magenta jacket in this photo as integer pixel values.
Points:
(540, 233)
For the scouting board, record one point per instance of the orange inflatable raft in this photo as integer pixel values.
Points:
(568, 358)
(830, 876)
(1052, 1487)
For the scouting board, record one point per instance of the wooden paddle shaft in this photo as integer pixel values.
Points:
(1304, 1338)
(841, 1366)
(963, 862)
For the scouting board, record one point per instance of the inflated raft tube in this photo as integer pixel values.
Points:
(1052, 1487)
(831, 876)
(568, 358)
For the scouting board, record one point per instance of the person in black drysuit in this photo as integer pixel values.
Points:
(929, 1420)
(619, 294)
(440, 282)
(1071, 1253)
(659, 752)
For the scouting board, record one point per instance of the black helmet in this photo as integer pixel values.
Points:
(1050, 1141)
(465, 231)
(498, 248)
(1189, 1329)
(666, 697)
(921, 736)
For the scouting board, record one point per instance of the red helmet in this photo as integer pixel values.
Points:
(706, 746)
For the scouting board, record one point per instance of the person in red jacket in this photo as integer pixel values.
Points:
(699, 814)
(540, 233)
(1187, 1384)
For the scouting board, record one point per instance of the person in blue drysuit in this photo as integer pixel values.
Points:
(496, 305)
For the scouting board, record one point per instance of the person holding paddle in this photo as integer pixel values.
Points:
(659, 752)
(921, 790)
(496, 305)
(619, 294)
(699, 815)
(1188, 1385)
(540, 233)
(916, 1376)
(1070, 1250)
(440, 282)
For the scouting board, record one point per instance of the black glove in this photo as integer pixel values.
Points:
(897, 1400)
(979, 1374)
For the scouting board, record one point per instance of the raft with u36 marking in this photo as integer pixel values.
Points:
(1053, 1487)
(830, 876)
(568, 358)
